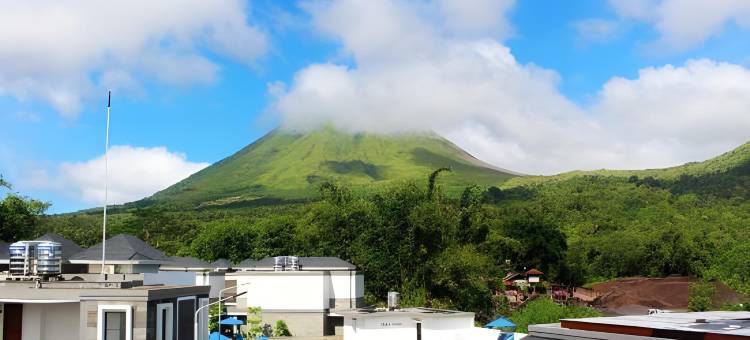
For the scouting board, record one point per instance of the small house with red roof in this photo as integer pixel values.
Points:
(533, 275)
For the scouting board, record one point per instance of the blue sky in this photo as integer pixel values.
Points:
(199, 87)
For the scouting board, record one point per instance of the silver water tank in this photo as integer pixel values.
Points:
(394, 300)
(278, 263)
(49, 258)
(292, 263)
(21, 261)
(35, 258)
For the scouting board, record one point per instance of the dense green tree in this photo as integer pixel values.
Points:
(19, 215)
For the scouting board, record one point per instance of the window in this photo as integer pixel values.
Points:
(229, 292)
(185, 314)
(114, 322)
(114, 325)
(164, 324)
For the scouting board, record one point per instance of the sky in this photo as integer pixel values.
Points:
(538, 87)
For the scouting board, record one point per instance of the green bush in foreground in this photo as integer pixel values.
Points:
(281, 329)
(700, 296)
(544, 310)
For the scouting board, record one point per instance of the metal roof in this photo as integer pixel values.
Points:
(186, 262)
(221, 264)
(69, 248)
(123, 247)
(414, 312)
(246, 264)
(696, 325)
(310, 263)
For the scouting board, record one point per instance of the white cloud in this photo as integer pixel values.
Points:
(61, 52)
(477, 17)
(134, 173)
(408, 75)
(681, 113)
(683, 24)
(595, 30)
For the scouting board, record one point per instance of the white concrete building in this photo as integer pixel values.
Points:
(413, 324)
(94, 307)
(306, 296)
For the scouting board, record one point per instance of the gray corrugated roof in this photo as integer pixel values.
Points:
(310, 262)
(122, 248)
(221, 263)
(246, 264)
(69, 248)
(186, 262)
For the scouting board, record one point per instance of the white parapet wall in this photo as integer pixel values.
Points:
(405, 326)
(283, 290)
(59, 321)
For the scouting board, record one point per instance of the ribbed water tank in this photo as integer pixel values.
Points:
(292, 263)
(278, 263)
(21, 260)
(49, 258)
(35, 258)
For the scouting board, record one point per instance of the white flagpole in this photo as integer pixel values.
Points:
(106, 175)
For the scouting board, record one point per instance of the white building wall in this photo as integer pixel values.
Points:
(390, 328)
(347, 285)
(282, 290)
(446, 328)
(169, 278)
(405, 328)
(213, 279)
(51, 321)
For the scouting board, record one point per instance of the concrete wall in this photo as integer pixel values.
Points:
(54, 321)
(405, 328)
(300, 324)
(297, 291)
(213, 279)
(89, 317)
(392, 328)
(347, 284)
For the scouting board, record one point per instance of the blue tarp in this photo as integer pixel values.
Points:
(500, 323)
(217, 336)
(232, 321)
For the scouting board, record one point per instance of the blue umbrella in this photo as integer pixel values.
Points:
(500, 323)
(232, 321)
(217, 336)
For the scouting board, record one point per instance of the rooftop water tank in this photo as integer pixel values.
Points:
(35, 258)
(394, 300)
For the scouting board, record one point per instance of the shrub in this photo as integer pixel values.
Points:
(281, 329)
(544, 310)
(700, 296)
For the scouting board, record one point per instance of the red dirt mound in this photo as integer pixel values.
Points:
(637, 295)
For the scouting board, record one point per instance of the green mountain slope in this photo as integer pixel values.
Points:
(730, 168)
(289, 166)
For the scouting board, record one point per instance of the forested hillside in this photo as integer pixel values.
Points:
(450, 250)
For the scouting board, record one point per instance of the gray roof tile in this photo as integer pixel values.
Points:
(186, 262)
(122, 248)
(69, 248)
(310, 262)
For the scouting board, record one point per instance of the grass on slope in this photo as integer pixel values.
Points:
(291, 166)
(738, 158)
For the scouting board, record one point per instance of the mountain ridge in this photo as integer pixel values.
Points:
(290, 166)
